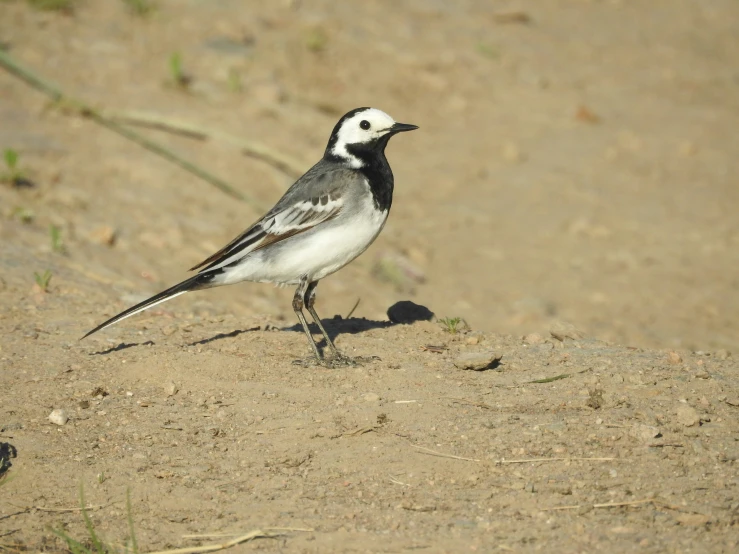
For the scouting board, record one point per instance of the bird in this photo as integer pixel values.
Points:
(325, 220)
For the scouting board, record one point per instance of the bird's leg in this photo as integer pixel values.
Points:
(310, 300)
(337, 359)
(298, 302)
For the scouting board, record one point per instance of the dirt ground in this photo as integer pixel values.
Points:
(571, 194)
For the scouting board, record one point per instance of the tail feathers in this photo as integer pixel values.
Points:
(195, 282)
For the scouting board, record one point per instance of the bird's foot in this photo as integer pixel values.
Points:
(335, 361)
(342, 360)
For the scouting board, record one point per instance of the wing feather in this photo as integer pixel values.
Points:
(282, 222)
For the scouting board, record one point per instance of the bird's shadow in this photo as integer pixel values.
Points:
(219, 336)
(403, 312)
(339, 326)
(334, 327)
(122, 346)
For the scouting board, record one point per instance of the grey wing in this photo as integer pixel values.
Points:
(316, 197)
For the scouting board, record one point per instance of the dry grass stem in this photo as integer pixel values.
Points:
(353, 308)
(62, 510)
(395, 481)
(470, 402)
(532, 460)
(358, 431)
(617, 505)
(284, 163)
(77, 107)
(631, 503)
(556, 377)
(442, 455)
(223, 535)
(256, 534)
(560, 508)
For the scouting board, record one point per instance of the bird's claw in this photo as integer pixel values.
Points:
(335, 361)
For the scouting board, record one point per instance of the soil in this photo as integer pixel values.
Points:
(571, 195)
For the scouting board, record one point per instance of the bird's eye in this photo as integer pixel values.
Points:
(364, 124)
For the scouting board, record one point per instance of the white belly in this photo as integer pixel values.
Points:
(313, 254)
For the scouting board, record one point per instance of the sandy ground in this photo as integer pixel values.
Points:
(571, 194)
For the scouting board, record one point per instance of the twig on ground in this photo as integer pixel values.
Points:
(531, 460)
(630, 503)
(433, 348)
(556, 377)
(80, 108)
(218, 535)
(358, 431)
(442, 455)
(257, 534)
(8, 516)
(62, 510)
(395, 481)
(470, 402)
(616, 505)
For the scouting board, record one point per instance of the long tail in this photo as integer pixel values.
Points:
(199, 281)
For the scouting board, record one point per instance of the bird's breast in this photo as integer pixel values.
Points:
(330, 246)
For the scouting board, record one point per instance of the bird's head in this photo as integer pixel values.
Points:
(361, 134)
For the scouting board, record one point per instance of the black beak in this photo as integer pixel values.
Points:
(402, 128)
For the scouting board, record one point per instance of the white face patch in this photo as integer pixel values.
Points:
(355, 131)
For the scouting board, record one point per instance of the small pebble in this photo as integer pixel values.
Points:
(59, 417)
(687, 415)
(105, 235)
(476, 361)
(170, 388)
(533, 338)
(723, 354)
(472, 340)
(674, 358)
(692, 520)
(644, 432)
(562, 330)
(371, 397)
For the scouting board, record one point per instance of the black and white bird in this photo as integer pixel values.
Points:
(325, 220)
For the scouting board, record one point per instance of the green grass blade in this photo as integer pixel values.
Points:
(75, 547)
(11, 158)
(131, 530)
(96, 542)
